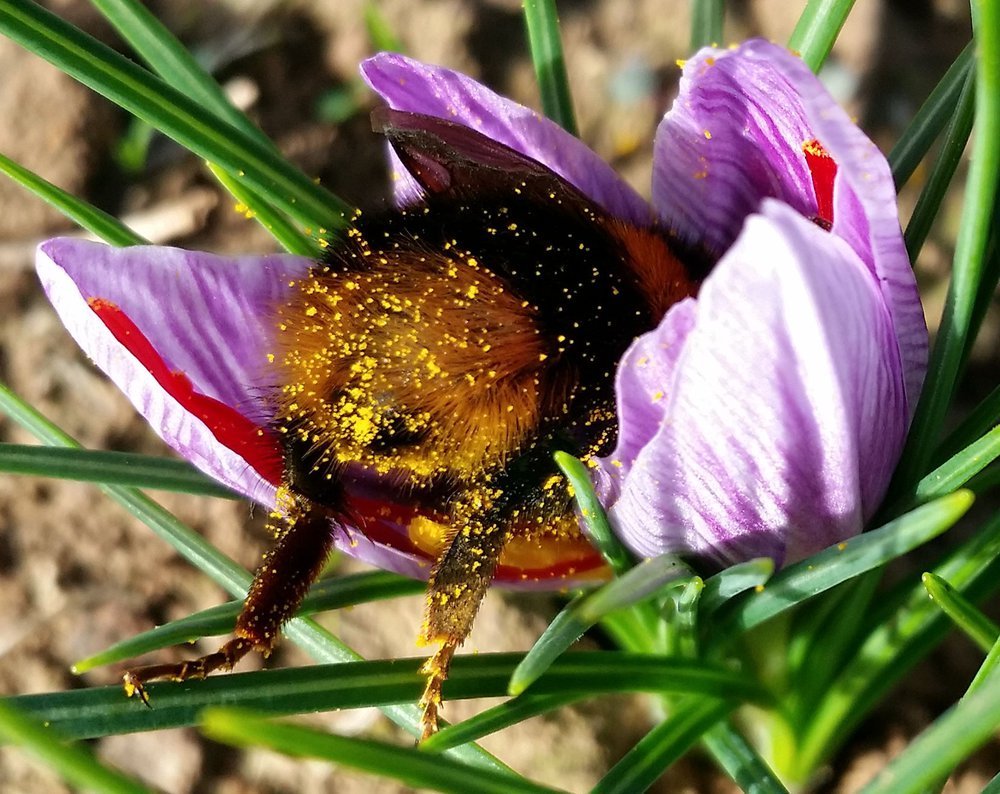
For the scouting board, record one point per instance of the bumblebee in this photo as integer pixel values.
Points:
(445, 351)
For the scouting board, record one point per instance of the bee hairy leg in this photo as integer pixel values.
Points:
(456, 589)
(304, 540)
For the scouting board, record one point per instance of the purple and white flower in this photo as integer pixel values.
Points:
(763, 418)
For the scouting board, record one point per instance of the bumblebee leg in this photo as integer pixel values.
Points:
(279, 585)
(457, 586)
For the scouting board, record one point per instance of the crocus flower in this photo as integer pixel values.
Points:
(763, 417)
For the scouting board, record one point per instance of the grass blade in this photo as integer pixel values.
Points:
(805, 579)
(740, 761)
(406, 764)
(707, 17)
(118, 468)
(333, 593)
(932, 117)
(906, 627)
(640, 584)
(106, 711)
(960, 468)
(949, 349)
(76, 765)
(96, 221)
(550, 64)
(817, 30)
(664, 744)
(980, 629)
(598, 529)
(930, 757)
(929, 203)
(170, 111)
(508, 713)
(736, 579)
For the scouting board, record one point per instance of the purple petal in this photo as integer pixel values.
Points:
(735, 135)
(204, 315)
(406, 84)
(786, 411)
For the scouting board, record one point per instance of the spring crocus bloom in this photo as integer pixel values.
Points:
(762, 418)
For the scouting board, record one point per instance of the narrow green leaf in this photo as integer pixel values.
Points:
(929, 203)
(510, 712)
(664, 744)
(740, 761)
(87, 216)
(960, 468)
(170, 111)
(707, 18)
(905, 626)
(977, 424)
(805, 579)
(332, 593)
(408, 765)
(76, 765)
(987, 670)
(234, 579)
(286, 233)
(643, 582)
(983, 631)
(550, 65)
(952, 340)
(936, 752)
(683, 639)
(986, 480)
(734, 580)
(117, 468)
(170, 59)
(598, 529)
(817, 30)
(380, 33)
(106, 711)
(932, 117)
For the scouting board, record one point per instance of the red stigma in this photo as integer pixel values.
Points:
(255, 444)
(823, 169)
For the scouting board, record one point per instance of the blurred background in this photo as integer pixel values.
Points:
(77, 573)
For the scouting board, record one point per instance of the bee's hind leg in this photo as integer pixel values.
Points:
(303, 541)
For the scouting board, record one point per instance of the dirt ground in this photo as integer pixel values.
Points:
(77, 573)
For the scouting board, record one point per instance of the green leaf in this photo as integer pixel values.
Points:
(817, 30)
(380, 33)
(508, 713)
(172, 112)
(952, 340)
(929, 204)
(234, 579)
(550, 65)
(906, 625)
(643, 764)
(285, 232)
(87, 216)
(332, 593)
(707, 17)
(803, 580)
(643, 582)
(683, 639)
(932, 117)
(936, 752)
(732, 581)
(977, 424)
(960, 468)
(106, 711)
(983, 631)
(408, 765)
(740, 761)
(118, 468)
(76, 765)
(598, 529)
